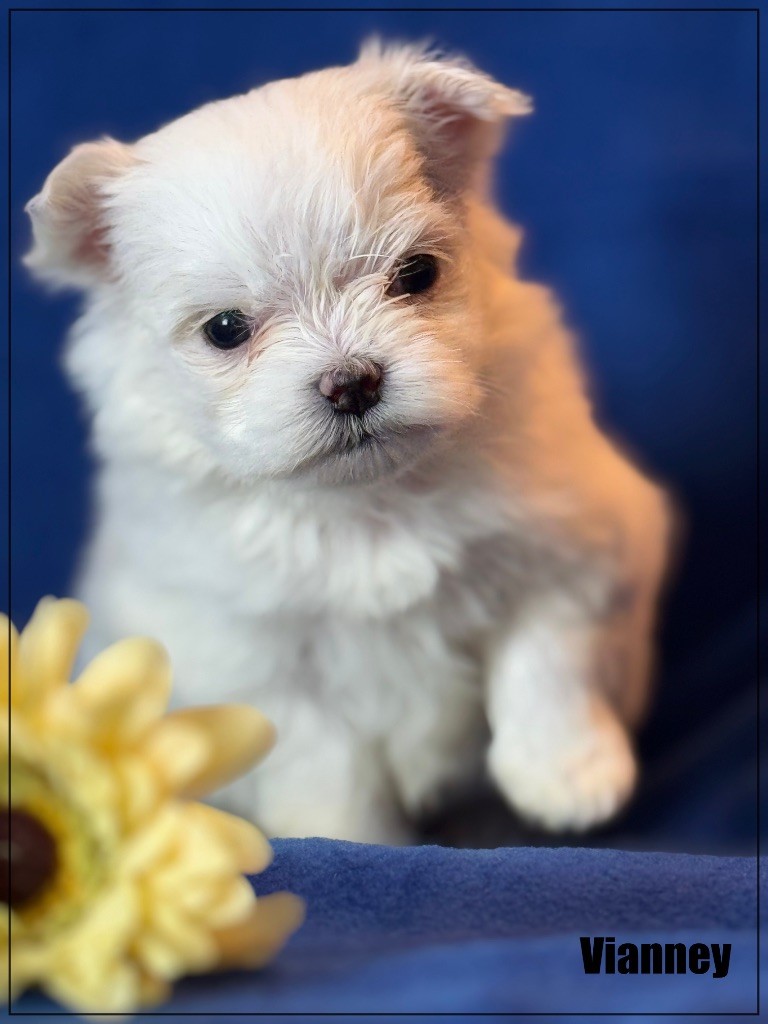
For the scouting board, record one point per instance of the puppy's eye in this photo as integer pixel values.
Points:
(228, 329)
(415, 275)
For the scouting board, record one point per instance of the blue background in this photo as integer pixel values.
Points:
(635, 181)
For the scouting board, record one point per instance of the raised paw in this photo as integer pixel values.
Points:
(571, 786)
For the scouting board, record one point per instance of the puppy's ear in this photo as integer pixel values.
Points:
(456, 112)
(70, 243)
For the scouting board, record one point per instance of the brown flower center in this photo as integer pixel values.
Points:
(28, 857)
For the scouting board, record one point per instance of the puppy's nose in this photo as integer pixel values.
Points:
(353, 389)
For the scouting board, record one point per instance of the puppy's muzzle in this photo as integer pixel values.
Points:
(354, 388)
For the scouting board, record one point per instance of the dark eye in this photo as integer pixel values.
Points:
(416, 274)
(228, 329)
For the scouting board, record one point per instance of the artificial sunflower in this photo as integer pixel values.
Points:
(116, 880)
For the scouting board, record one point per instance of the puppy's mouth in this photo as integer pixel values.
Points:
(366, 452)
(363, 440)
(351, 435)
(367, 438)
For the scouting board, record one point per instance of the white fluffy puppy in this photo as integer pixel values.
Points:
(348, 470)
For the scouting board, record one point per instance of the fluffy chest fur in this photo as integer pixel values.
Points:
(367, 553)
(372, 601)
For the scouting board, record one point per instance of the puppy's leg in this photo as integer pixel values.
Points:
(320, 780)
(559, 752)
(438, 748)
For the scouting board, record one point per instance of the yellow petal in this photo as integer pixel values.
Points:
(178, 751)
(106, 931)
(157, 957)
(191, 941)
(239, 737)
(47, 649)
(247, 846)
(124, 690)
(202, 856)
(193, 869)
(203, 898)
(139, 789)
(89, 965)
(9, 652)
(151, 843)
(256, 940)
(154, 990)
(230, 901)
(234, 903)
(28, 966)
(115, 990)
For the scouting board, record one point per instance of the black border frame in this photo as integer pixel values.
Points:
(420, 9)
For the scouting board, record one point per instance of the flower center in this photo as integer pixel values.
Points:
(28, 857)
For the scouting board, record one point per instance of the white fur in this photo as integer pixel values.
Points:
(478, 583)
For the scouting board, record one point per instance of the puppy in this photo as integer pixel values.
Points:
(348, 470)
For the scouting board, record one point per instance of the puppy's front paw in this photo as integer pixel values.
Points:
(580, 783)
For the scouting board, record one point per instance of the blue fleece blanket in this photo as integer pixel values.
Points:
(436, 930)
(439, 930)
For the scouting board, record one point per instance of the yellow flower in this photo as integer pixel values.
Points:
(119, 882)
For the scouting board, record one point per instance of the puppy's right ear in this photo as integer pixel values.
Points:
(456, 112)
(70, 237)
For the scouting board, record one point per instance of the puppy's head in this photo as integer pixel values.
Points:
(281, 282)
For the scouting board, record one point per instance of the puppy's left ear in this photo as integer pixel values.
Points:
(69, 216)
(456, 112)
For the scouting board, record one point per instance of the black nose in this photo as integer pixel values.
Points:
(354, 389)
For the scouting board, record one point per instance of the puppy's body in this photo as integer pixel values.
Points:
(465, 574)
